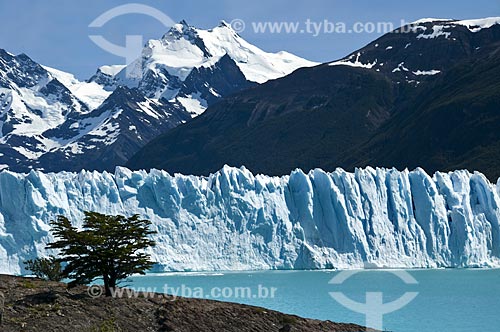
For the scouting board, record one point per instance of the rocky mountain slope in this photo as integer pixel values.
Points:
(51, 121)
(452, 124)
(424, 95)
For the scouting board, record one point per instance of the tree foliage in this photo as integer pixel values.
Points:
(107, 247)
(45, 268)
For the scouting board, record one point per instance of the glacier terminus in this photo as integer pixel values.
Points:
(234, 220)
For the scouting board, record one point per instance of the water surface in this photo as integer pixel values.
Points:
(448, 300)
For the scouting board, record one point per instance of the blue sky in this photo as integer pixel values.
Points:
(55, 32)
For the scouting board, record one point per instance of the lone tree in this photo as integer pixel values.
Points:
(45, 268)
(107, 247)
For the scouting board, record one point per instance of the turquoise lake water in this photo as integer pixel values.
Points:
(448, 300)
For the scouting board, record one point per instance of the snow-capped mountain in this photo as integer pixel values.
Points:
(185, 60)
(166, 63)
(107, 137)
(52, 121)
(33, 101)
(233, 220)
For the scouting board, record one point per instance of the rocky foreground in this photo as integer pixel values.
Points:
(36, 305)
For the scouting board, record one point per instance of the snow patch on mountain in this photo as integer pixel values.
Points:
(234, 220)
(194, 104)
(426, 72)
(442, 27)
(437, 31)
(479, 24)
(147, 107)
(91, 93)
(112, 70)
(400, 67)
(48, 112)
(356, 63)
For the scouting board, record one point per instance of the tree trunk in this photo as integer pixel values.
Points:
(112, 283)
(2, 304)
(107, 286)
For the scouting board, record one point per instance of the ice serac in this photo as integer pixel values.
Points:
(234, 220)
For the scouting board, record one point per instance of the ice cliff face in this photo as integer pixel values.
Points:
(233, 220)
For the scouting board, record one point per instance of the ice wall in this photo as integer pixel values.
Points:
(233, 220)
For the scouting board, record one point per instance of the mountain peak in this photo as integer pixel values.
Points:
(4, 53)
(224, 24)
(185, 47)
(24, 56)
(180, 28)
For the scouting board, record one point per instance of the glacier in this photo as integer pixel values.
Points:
(234, 220)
